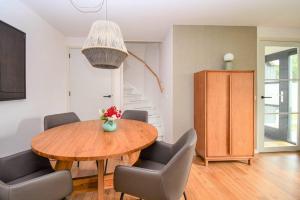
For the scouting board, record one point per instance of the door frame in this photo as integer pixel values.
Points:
(116, 81)
(260, 92)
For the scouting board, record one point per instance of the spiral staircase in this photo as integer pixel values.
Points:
(135, 100)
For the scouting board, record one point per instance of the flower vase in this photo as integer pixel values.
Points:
(109, 126)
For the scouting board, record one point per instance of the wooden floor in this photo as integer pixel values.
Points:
(272, 176)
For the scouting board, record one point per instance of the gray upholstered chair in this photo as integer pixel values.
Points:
(162, 171)
(26, 175)
(52, 121)
(138, 115)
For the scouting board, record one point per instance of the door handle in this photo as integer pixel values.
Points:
(107, 96)
(263, 97)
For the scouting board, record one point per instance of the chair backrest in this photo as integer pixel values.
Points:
(12, 167)
(176, 172)
(138, 115)
(51, 121)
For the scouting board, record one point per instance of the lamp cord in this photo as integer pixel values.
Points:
(106, 10)
(87, 9)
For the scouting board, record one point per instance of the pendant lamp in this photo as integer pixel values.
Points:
(104, 46)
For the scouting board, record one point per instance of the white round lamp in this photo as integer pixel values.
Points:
(228, 58)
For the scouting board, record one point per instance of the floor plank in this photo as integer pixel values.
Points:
(272, 176)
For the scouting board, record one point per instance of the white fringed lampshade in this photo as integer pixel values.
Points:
(104, 46)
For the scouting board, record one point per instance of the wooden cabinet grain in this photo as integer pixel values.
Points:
(224, 115)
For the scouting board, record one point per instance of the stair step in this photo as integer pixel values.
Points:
(138, 107)
(127, 87)
(133, 97)
(132, 107)
(136, 101)
(154, 121)
(133, 100)
(130, 92)
(153, 114)
(154, 117)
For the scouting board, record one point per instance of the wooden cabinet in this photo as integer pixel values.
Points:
(224, 115)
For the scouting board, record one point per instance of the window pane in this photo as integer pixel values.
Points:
(293, 128)
(293, 96)
(293, 66)
(272, 69)
(271, 121)
(281, 96)
(281, 130)
(272, 92)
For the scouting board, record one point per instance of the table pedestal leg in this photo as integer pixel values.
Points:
(63, 165)
(100, 179)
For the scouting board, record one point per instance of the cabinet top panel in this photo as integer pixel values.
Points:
(227, 71)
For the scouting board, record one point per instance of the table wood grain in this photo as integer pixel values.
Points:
(85, 141)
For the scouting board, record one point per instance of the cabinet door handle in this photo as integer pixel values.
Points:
(107, 96)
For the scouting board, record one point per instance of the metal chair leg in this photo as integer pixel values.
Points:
(122, 196)
(184, 194)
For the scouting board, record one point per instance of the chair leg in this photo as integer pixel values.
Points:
(184, 194)
(122, 196)
(78, 164)
(97, 163)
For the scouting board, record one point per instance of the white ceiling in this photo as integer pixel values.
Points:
(149, 20)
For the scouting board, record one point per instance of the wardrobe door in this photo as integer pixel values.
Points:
(217, 114)
(242, 114)
(199, 111)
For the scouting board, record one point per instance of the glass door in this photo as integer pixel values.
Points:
(280, 98)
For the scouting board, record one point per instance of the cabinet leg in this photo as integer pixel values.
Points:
(205, 162)
(250, 162)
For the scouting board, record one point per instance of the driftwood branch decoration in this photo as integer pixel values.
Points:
(149, 68)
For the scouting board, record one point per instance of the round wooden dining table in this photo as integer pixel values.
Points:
(86, 141)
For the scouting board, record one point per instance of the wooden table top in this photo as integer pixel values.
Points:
(87, 141)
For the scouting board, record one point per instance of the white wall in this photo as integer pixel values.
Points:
(197, 48)
(45, 77)
(278, 34)
(75, 42)
(166, 76)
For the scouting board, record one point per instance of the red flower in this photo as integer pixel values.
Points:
(112, 111)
